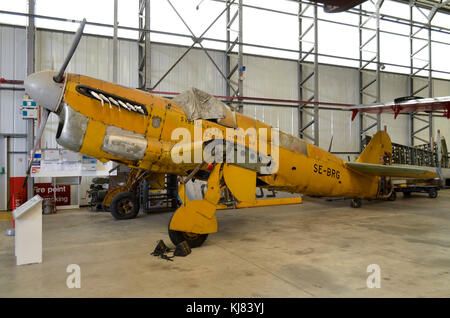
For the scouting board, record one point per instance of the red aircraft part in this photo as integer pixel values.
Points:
(406, 106)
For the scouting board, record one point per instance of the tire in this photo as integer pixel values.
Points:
(433, 193)
(124, 206)
(407, 194)
(393, 196)
(193, 240)
(356, 203)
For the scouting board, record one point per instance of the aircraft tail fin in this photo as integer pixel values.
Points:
(372, 161)
(378, 148)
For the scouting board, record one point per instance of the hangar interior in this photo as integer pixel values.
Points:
(285, 60)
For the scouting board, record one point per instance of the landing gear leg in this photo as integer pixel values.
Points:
(194, 220)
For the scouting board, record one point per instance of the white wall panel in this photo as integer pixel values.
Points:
(18, 144)
(93, 56)
(194, 70)
(394, 86)
(442, 88)
(6, 110)
(271, 78)
(13, 67)
(337, 84)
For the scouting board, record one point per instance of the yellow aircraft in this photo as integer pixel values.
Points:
(139, 130)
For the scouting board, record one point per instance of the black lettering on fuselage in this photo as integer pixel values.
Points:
(330, 172)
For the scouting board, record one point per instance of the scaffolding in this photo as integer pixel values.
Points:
(234, 88)
(144, 61)
(308, 77)
(369, 80)
(420, 62)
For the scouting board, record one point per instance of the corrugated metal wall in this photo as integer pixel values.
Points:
(338, 84)
(13, 66)
(194, 70)
(269, 78)
(264, 77)
(442, 88)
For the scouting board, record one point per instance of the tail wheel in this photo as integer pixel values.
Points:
(124, 206)
(193, 239)
(356, 203)
(393, 196)
(433, 193)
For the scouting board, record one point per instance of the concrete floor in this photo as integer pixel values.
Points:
(317, 249)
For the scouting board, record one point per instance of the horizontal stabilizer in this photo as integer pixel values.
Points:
(391, 171)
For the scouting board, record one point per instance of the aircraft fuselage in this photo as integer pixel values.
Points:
(140, 136)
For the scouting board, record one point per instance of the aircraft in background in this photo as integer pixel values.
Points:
(135, 129)
(407, 104)
(335, 6)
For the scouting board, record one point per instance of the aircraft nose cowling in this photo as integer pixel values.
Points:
(44, 90)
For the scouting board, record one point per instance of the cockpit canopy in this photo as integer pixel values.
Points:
(200, 105)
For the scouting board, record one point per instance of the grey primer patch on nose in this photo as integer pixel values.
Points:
(71, 128)
(124, 143)
(156, 121)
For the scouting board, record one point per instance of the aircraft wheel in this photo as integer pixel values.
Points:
(433, 193)
(124, 206)
(393, 196)
(193, 239)
(356, 203)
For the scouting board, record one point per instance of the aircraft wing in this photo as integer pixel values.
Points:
(406, 105)
(391, 171)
